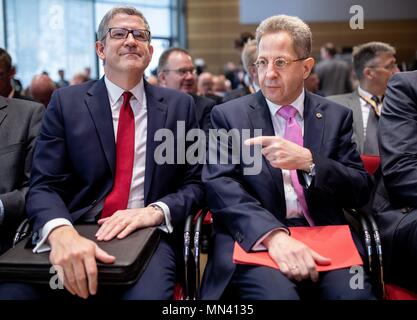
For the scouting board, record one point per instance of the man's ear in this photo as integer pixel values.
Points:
(161, 79)
(253, 72)
(308, 65)
(150, 50)
(100, 50)
(367, 73)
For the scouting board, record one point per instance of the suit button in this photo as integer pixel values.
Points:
(239, 237)
(406, 210)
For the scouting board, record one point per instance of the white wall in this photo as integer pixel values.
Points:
(253, 12)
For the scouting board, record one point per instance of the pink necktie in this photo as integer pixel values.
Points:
(294, 134)
(118, 198)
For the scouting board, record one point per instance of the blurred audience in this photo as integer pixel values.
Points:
(87, 73)
(312, 83)
(242, 39)
(205, 87)
(62, 82)
(41, 88)
(233, 74)
(78, 78)
(251, 81)
(374, 64)
(153, 80)
(221, 85)
(412, 65)
(177, 71)
(334, 74)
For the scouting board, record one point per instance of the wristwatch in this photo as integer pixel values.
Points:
(311, 169)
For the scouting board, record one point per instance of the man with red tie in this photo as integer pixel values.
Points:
(95, 162)
(310, 171)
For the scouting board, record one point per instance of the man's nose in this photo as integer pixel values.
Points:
(130, 40)
(189, 75)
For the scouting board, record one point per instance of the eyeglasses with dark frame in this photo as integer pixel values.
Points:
(278, 63)
(122, 33)
(182, 71)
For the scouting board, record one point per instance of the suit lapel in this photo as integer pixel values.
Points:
(357, 118)
(3, 109)
(260, 118)
(156, 114)
(98, 104)
(314, 123)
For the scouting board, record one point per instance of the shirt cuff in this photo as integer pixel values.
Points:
(1, 212)
(167, 226)
(258, 246)
(43, 245)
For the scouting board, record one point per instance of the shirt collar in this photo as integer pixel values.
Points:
(115, 92)
(366, 94)
(297, 103)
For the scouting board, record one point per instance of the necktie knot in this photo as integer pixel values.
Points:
(126, 97)
(287, 112)
(376, 100)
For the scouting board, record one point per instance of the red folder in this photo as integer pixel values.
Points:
(334, 242)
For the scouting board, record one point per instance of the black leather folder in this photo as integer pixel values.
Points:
(132, 256)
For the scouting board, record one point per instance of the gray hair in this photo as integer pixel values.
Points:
(131, 11)
(366, 52)
(249, 54)
(298, 30)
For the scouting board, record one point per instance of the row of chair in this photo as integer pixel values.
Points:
(362, 220)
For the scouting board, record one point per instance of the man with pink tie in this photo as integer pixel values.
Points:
(310, 171)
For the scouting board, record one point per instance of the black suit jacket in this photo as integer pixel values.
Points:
(395, 197)
(398, 140)
(236, 93)
(203, 108)
(245, 207)
(20, 121)
(74, 161)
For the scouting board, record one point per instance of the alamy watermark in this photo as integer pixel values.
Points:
(57, 279)
(356, 282)
(224, 147)
(358, 18)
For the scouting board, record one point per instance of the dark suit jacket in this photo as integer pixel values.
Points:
(245, 207)
(203, 108)
(398, 139)
(19, 126)
(395, 197)
(74, 161)
(18, 95)
(352, 101)
(236, 93)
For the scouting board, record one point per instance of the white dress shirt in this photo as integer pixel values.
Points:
(365, 107)
(137, 187)
(294, 209)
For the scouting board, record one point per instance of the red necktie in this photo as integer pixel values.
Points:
(125, 144)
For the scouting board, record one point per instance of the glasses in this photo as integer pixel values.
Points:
(122, 33)
(278, 63)
(182, 71)
(388, 67)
